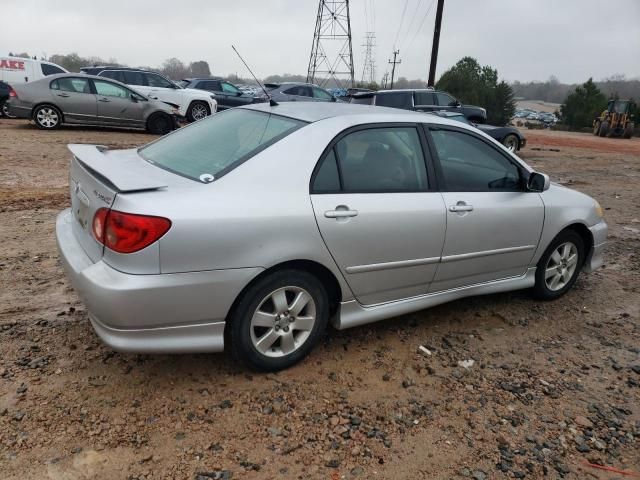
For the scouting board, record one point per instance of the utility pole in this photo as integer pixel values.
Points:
(436, 44)
(394, 63)
(385, 79)
(331, 57)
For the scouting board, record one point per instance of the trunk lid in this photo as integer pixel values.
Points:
(96, 177)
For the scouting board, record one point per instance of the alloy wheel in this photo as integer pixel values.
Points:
(511, 143)
(283, 321)
(47, 117)
(561, 266)
(199, 111)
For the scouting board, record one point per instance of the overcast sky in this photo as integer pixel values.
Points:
(524, 39)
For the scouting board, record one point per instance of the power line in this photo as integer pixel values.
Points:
(413, 18)
(404, 11)
(424, 18)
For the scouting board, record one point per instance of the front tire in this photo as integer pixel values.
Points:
(604, 129)
(279, 320)
(512, 142)
(47, 117)
(596, 127)
(628, 130)
(559, 266)
(197, 111)
(159, 124)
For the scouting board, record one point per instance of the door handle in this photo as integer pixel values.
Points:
(461, 208)
(64, 95)
(340, 213)
(104, 100)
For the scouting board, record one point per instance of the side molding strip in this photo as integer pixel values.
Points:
(374, 267)
(486, 253)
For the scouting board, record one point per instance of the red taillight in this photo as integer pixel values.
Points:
(12, 92)
(127, 232)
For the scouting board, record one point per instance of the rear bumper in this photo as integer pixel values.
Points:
(165, 313)
(595, 258)
(18, 111)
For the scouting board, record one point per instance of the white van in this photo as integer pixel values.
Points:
(16, 70)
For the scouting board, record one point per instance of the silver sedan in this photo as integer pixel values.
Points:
(261, 224)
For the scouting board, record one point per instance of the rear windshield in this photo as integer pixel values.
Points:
(212, 147)
(364, 100)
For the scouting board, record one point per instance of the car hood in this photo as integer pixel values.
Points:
(192, 92)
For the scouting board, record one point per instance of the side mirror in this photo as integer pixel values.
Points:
(334, 99)
(457, 103)
(134, 99)
(538, 182)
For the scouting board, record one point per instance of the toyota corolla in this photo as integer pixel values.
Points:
(259, 225)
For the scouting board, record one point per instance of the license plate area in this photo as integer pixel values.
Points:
(80, 204)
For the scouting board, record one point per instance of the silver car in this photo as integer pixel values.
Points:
(298, 92)
(261, 224)
(88, 100)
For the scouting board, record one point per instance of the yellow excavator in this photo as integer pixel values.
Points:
(615, 121)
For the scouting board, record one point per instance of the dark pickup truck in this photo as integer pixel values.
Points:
(420, 100)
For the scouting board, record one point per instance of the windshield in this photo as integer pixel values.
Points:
(212, 147)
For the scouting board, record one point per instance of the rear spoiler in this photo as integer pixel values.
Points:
(126, 171)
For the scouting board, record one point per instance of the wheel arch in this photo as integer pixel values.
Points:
(322, 273)
(583, 231)
(50, 104)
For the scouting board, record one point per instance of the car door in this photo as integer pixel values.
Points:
(156, 86)
(118, 105)
(299, 93)
(233, 95)
(446, 101)
(493, 223)
(378, 213)
(320, 95)
(74, 97)
(424, 101)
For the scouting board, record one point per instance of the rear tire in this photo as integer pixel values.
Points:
(47, 117)
(512, 142)
(197, 111)
(4, 110)
(596, 127)
(279, 320)
(604, 129)
(559, 266)
(628, 130)
(159, 124)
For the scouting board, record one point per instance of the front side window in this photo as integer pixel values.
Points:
(50, 69)
(468, 164)
(424, 98)
(445, 100)
(156, 81)
(214, 146)
(385, 159)
(395, 100)
(228, 88)
(321, 94)
(108, 89)
(133, 78)
(300, 91)
(75, 85)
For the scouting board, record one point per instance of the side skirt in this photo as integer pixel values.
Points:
(352, 314)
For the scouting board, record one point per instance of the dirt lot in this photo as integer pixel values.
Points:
(554, 385)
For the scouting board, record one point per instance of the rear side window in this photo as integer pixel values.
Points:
(395, 100)
(424, 98)
(375, 160)
(75, 85)
(50, 69)
(299, 91)
(468, 164)
(212, 147)
(210, 85)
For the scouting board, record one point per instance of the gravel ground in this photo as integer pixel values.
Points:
(550, 388)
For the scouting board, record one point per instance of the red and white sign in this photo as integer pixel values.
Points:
(7, 64)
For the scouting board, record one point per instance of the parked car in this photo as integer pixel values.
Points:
(18, 70)
(227, 94)
(298, 92)
(88, 100)
(510, 137)
(420, 100)
(191, 104)
(261, 223)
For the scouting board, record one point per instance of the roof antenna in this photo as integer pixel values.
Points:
(272, 102)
